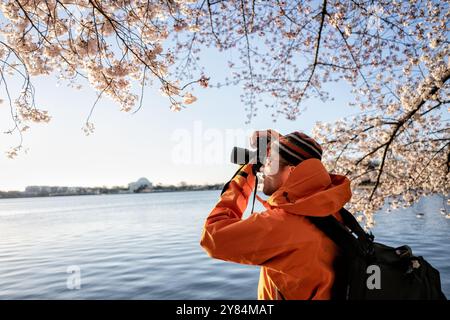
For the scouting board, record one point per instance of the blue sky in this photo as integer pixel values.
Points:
(125, 147)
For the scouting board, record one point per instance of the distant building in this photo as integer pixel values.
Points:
(33, 189)
(142, 185)
(38, 189)
(73, 189)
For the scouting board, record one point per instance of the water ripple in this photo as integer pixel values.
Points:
(147, 247)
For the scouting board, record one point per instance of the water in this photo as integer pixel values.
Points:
(146, 246)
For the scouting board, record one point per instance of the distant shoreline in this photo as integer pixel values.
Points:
(105, 191)
(118, 190)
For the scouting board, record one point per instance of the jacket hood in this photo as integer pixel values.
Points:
(311, 191)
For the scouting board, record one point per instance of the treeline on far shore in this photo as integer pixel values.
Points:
(55, 191)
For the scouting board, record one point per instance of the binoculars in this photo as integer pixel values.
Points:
(256, 157)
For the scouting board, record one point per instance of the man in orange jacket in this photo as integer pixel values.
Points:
(296, 258)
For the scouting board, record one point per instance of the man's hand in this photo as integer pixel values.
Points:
(243, 178)
(268, 134)
(265, 138)
(245, 175)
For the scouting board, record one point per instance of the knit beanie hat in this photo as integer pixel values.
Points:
(297, 146)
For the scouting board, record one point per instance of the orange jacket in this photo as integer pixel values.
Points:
(295, 256)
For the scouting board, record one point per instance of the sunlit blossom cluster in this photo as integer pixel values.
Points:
(116, 46)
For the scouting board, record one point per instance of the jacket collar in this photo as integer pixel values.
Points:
(311, 190)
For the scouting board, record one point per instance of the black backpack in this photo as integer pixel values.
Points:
(367, 270)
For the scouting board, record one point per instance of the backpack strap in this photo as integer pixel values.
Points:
(365, 239)
(348, 235)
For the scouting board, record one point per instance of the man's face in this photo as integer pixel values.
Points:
(275, 173)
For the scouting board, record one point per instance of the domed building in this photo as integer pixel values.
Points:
(142, 185)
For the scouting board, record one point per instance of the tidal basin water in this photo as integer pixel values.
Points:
(146, 246)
